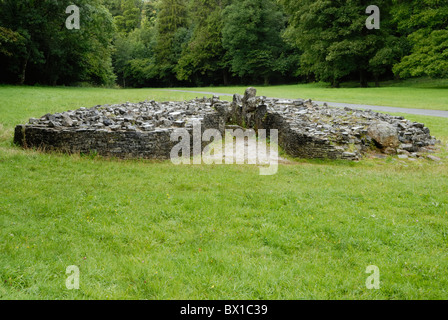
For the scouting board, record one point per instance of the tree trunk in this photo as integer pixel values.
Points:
(362, 79)
(266, 80)
(225, 77)
(311, 78)
(23, 71)
(335, 83)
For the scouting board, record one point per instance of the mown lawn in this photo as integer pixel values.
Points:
(416, 94)
(152, 230)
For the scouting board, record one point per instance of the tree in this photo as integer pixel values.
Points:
(170, 29)
(425, 24)
(50, 53)
(335, 41)
(114, 7)
(134, 59)
(203, 56)
(252, 37)
(130, 15)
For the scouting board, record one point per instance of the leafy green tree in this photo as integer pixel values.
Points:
(335, 41)
(96, 39)
(49, 52)
(150, 11)
(10, 41)
(170, 26)
(252, 37)
(204, 55)
(134, 58)
(130, 17)
(425, 24)
(23, 19)
(114, 7)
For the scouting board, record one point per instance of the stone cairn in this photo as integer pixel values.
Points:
(305, 129)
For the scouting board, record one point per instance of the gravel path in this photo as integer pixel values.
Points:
(421, 112)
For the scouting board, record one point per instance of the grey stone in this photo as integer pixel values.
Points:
(250, 105)
(349, 155)
(384, 134)
(53, 124)
(407, 146)
(115, 127)
(167, 123)
(176, 115)
(237, 99)
(142, 130)
(249, 93)
(66, 121)
(179, 124)
(108, 122)
(400, 151)
(148, 127)
(433, 158)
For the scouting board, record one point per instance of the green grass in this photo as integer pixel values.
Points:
(417, 94)
(152, 230)
(21, 103)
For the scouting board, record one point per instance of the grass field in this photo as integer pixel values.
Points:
(416, 94)
(152, 230)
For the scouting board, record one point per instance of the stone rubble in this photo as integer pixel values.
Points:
(306, 129)
(143, 116)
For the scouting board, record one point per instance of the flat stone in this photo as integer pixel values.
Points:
(53, 124)
(147, 127)
(349, 155)
(115, 127)
(400, 151)
(176, 115)
(179, 124)
(406, 146)
(433, 158)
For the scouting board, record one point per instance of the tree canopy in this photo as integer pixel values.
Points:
(212, 42)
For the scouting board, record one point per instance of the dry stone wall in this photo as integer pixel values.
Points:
(127, 131)
(143, 130)
(308, 130)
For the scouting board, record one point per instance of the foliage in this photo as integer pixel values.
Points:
(141, 43)
(48, 52)
(204, 55)
(335, 41)
(425, 23)
(10, 41)
(252, 37)
(171, 23)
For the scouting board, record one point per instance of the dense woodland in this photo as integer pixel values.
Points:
(136, 43)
